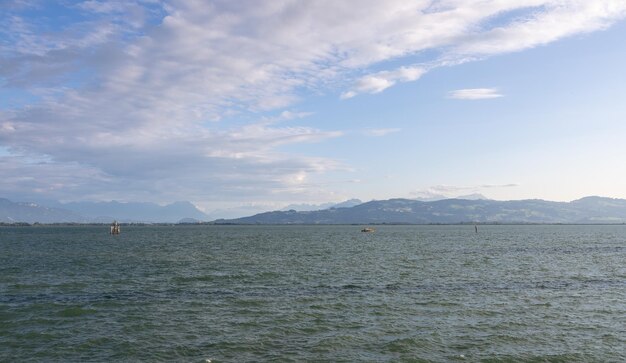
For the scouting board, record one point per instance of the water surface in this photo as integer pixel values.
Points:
(313, 293)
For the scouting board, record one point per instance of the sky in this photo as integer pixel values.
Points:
(254, 105)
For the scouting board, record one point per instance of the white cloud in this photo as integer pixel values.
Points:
(474, 94)
(441, 188)
(380, 132)
(380, 81)
(509, 185)
(133, 88)
(462, 31)
(103, 6)
(555, 20)
(286, 116)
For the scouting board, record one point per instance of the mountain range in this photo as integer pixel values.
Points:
(97, 212)
(311, 207)
(448, 211)
(52, 211)
(392, 211)
(12, 212)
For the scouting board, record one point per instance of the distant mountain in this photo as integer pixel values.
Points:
(11, 212)
(235, 212)
(304, 207)
(474, 196)
(432, 197)
(136, 212)
(99, 212)
(348, 203)
(585, 210)
(312, 207)
(599, 209)
(429, 197)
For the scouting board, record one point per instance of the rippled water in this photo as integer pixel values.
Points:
(313, 293)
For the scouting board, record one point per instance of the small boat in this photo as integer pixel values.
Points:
(115, 228)
(368, 230)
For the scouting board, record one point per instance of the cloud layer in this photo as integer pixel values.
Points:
(174, 100)
(474, 94)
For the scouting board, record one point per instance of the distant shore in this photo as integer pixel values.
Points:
(70, 224)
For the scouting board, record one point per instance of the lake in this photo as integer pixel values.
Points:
(531, 293)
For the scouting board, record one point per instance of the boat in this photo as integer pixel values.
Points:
(368, 230)
(115, 228)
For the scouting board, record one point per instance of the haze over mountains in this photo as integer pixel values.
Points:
(410, 211)
(51, 211)
(97, 212)
(12, 212)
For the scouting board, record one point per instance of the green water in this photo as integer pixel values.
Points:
(313, 293)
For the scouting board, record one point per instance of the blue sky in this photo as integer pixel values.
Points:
(254, 105)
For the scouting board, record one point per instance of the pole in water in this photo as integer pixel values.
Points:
(476, 228)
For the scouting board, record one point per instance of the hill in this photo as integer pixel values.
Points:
(407, 211)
